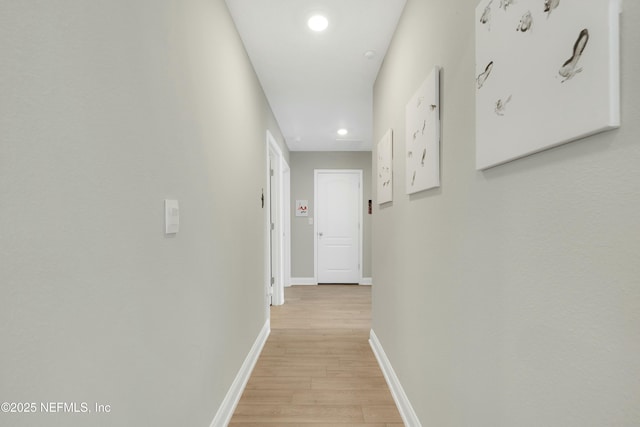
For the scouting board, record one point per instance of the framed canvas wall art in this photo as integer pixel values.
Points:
(385, 168)
(422, 139)
(547, 72)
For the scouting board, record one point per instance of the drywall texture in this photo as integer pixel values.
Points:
(509, 297)
(303, 163)
(107, 109)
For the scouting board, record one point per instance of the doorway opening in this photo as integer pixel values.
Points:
(277, 224)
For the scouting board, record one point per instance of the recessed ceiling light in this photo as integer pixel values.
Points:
(342, 132)
(318, 23)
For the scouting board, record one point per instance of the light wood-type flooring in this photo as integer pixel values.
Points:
(317, 368)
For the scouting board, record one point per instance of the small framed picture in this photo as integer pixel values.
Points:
(302, 208)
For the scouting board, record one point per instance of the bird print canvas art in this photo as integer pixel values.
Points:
(384, 151)
(422, 121)
(547, 73)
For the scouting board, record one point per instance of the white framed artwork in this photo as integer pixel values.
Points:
(385, 168)
(422, 139)
(302, 208)
(547, 72)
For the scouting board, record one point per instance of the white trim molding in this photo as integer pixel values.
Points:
(366, 281)
(228, 406)
(276, 206)
(402, 401)
(303, 281)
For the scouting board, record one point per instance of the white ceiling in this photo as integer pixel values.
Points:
(317, 83)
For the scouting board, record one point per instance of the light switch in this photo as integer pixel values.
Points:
(171, 216)
(310, 221)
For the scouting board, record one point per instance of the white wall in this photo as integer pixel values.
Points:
(509, 297)
(106, 109)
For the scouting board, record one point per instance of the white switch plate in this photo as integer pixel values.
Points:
(310, 221)
(171, 217)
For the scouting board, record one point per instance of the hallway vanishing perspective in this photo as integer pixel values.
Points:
(317, 367)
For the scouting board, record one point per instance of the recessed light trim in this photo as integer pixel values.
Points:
(318, 23)
(342, 132)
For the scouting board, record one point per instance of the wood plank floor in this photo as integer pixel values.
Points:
(317, 368)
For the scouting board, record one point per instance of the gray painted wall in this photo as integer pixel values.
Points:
(509, 297)
(107, 109)
(302, 164)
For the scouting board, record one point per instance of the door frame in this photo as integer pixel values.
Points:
(281, 244)
(316, 173)
(286, 232)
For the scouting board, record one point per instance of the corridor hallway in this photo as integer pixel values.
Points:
(317, 368)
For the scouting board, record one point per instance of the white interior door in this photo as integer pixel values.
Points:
(338, 206)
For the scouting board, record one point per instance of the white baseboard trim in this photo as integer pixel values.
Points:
(303, 281)
(225, 412)
(402, 401)
(300, 281)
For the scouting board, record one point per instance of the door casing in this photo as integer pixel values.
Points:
(276, 203)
